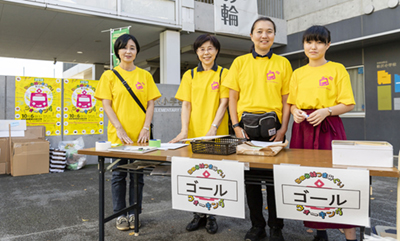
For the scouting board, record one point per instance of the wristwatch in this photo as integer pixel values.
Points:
(330, 111)
(215, 125)
(235, 125)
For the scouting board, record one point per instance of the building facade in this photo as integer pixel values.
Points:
(364, 39)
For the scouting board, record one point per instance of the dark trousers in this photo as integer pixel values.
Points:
(255, 203)
(118, 188)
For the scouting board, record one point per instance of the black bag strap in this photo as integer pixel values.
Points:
(129, 90)
(220, 74)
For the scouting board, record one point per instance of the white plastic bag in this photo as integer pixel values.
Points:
(75, 161)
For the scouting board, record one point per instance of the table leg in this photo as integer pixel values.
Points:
(101, 197)
(136, 190)
(398, 210)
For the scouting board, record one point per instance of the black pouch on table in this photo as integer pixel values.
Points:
(260, 125)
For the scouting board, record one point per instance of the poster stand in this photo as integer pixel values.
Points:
(119, 32)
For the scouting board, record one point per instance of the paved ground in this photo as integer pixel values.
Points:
(64, 207)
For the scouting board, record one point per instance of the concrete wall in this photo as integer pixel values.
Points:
(158, 12)
(302, 14)
(166, 117)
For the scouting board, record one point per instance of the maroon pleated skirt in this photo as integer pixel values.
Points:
(306, 136)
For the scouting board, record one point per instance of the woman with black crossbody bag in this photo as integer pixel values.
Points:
(127, 93)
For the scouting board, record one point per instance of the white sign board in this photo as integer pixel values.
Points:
(322, 194)
(235, 16)
(208, 186)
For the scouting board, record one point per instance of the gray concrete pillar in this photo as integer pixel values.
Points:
(170, 57)
(97, 71)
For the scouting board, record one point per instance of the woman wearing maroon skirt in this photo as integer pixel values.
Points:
(319, 92)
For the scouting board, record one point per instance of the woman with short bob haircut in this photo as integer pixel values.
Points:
(127, 121)
(316, 116)
(204, 106)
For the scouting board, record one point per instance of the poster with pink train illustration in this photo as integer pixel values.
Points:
(38, 101)
(83, 114)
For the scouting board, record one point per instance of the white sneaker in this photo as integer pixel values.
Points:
(122, 223)
(132, 222)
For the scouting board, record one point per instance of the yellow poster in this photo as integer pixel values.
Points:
(38, 101)
(83, 114)
(385, 97)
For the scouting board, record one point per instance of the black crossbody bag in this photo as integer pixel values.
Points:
(260, 125)
(134, 97)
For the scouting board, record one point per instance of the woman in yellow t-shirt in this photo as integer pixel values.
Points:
(204, 106)
(259, 82)
(316, 116)
(127, 121)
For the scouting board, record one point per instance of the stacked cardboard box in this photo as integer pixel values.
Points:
(24, 155)
(58, 160)
(29, 156)
(4, 159)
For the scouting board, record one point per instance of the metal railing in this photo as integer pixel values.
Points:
(270, 8)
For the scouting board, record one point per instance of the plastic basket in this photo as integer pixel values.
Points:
(219, 146)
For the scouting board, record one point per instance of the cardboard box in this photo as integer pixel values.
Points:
(29, 157)
(34, 132)
(3, 167)
(31, 132)
(362, 153)
(5, 154)
(5, 149)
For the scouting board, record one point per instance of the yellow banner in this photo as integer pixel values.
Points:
(38, 101)
(83, 114)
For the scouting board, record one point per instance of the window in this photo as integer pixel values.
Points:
(357, 83)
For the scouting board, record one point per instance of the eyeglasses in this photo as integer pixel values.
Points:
(203, 50)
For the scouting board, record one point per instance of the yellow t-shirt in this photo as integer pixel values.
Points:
(261, 82)
(320, 87)
(204, 93)
(125, 107)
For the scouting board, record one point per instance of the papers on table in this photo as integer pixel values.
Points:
(204, 138)
(265, 143)
(145, 149)
(171, 146)
(133, 149)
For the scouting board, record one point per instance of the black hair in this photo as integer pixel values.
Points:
(317, 33)
(204, 38)
(254, 24)
(263, 19)
(122, 41)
